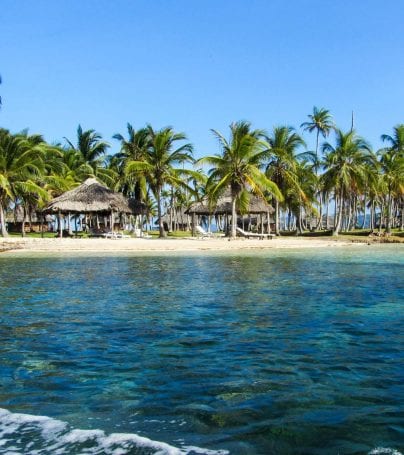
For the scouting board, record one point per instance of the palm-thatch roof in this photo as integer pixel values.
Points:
(223, 206)
(18, 216)
(180, 215)
(89, 197)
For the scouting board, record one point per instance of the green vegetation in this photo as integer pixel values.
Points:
(356, 186)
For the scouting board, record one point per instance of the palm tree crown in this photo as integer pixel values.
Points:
(346, 167)
(157, 165)
(321, 122)
(238, 167)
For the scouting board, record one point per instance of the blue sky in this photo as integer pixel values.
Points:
(200, 64)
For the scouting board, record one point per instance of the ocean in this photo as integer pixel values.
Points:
(260, 352)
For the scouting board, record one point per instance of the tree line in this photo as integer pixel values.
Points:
(343, 176)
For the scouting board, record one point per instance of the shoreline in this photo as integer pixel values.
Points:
(72, 245)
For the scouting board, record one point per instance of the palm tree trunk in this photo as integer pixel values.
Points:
(4, 232)
(327, 215)
(159, 214)
(372, 215)
(170, 213)
(388, 218)
(277, 217)
(381, 217)
(338, 214)
(24, 215)
(349, 218)
(364, 214)
(320, 214)
(233, 217)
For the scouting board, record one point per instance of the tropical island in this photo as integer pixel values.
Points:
(258, 183)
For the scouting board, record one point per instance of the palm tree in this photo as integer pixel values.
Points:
(134, 148)
(346, 169)
(239, 167)
(21, 169)
(321, 122)
(90, 158)
(282, 167)
(392, 169)
(158, 164)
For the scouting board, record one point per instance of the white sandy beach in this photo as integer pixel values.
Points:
(16, 244)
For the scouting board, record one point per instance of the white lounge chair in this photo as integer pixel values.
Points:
(255, 235)
(141, 234)
(115, 235)
(202, 233)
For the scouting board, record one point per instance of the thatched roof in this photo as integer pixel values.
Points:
(89, 197)
(223, 206)
(181, 216)
(17, 216)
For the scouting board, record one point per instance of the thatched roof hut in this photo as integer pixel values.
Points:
(89, 197)
(223, 206)
(18, 216)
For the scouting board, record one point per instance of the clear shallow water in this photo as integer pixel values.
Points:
(279, 352)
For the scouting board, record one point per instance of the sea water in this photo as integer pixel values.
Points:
(272, 352)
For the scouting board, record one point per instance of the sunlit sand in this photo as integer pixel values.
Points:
(188, 244)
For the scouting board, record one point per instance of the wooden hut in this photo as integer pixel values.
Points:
(175, 219)
(258, 212)
(21, 220)
(93, 198)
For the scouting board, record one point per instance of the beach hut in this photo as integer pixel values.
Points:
(93, 198)
(257, 207)
(26, 220)
(175, 219)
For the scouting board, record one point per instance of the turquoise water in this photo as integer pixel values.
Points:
(277, 352)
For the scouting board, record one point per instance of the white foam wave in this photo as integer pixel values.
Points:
(384, 451)
(39, 435)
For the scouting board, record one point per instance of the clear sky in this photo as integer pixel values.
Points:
(200, 64)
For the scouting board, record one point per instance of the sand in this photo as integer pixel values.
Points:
(71, 245)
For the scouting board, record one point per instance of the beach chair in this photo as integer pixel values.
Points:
(253, 235)
(141, 234)
(115, 235)
(110, 235)
(202, 233)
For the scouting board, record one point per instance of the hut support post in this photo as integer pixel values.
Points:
(60, 224)
(193, 224)
(111, 223)
(42, 220)
(69, 225)
(268, 224)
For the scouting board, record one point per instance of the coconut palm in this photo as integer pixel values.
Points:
(90, 156)
(238, 167)
(158, 164)
(134, 148)
(346, 169)
(321, 122)
(395, 142)
(21, 169)
(392, 170)
(282, 166)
